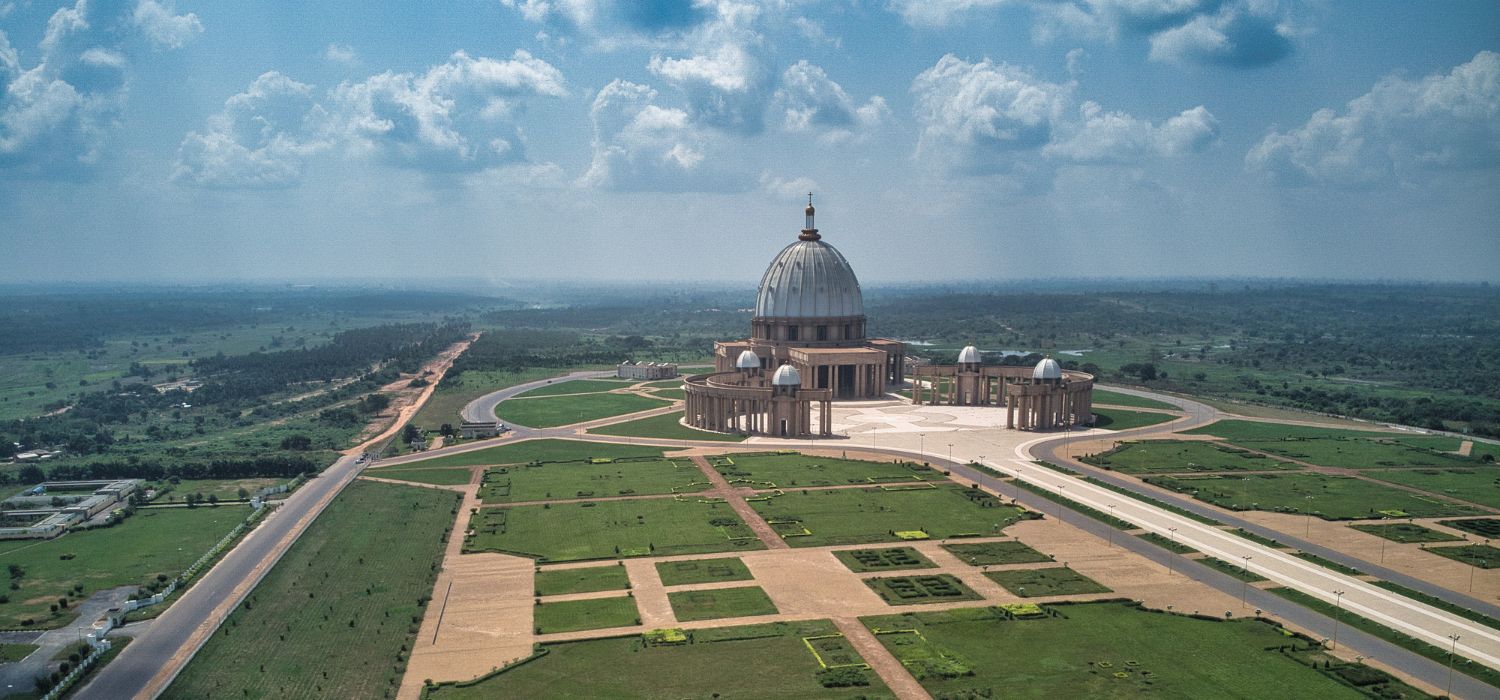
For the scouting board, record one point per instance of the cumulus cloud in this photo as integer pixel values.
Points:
(342, 54)
(163, 28)
(455, 117)
(725, 77)
(259, 140)
(641, 145)
(787, 188)
(810, 101)
(1400, 128)
(1239, 35)
(609, 23)
(938, 13)
(995, 118)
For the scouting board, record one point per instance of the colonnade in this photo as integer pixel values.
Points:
(1065, 407)
(756, 410)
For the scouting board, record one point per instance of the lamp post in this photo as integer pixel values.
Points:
(1060, 488)
(922, 444)
(1452, 650)
(1171, 535)
(1244, 579)
(1111, 528)
(1307, 526)
(950, 452)
(1338, 616)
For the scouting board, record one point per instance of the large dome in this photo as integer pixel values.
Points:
(809, 279)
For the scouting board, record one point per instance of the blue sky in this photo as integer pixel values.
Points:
(169, 140)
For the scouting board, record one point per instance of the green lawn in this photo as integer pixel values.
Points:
(1358, 453)
(1236, 430)
(585, 580)
(1169, 456)
(154, 541)
(864, 516)
(566, 410)
(557, 480)
(589, 614)
(1033, 583)
(610, 529)
(576, 386)
(1484, 527)
(862, 561)
(718, 603)
(679, 573)
(674, 394)
(1406, 532)
(548, 450)
(1480, 555)
(457, 390)
(1328, 497)
(1101, 650)
(790, 470)
(1239, 571)
(668, 426)
(988, 553)
(224, 489)
(1477, 485)
(1118, 419)
(348, 589)
(1115, 398)
(16, 652)
(439, 477)
(769, 662)
(916, 590)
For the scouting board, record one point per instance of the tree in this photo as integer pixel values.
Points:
(411, 433)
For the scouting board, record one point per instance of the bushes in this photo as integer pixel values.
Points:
(848, 677)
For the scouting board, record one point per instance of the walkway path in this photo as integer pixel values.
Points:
(736, 500)
(881, 661)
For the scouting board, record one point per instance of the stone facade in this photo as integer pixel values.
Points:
(1032, 401)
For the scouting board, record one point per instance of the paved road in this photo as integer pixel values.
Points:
(483, 408)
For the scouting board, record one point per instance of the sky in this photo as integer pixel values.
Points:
(944, 140)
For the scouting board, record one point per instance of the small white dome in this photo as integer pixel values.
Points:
(969, 356)
(1047, 369)
(786, 375)
(748, 360)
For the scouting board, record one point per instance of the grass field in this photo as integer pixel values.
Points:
(1358, 453)
(16, 652)
(1484, 527)
(673, 394)
(790, 470)
(1237, 430)
(577, 386)
(382, 544)
(862, 561)
(1171, 456)
(155, 541)
(451, 395)
(916, 590)
(1478, 485)
(680, 573)
(1328, 497)
(1480, 555)
(1100, 650)
(1117, 419)
(566, 410)
(718, 603)
(586, 480)
(588, 614)
(1406, 532)
(1115, 398)
(438, 477)
(610, 529)
(585, 580)
(1033, 583)
(667, 427)
(1238, 571)
(548, 450)
(864, 516)
(224, 489)
(769, 662)
(988, 553)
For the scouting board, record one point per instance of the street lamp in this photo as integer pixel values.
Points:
(1244, 579)
(1338, 616)
(1111, 528)
(1060, 488)
(1171, 535)
(950, 452)
(1452, 650)
(922, 444)
(1307, 527)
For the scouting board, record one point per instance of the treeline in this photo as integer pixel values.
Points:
(273, 466)
(401, 347)
(514, 350)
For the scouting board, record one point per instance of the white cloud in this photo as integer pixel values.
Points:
(162, 27)
(938, 13)
(984, 117)
(1238, 35)
(640, 145)
(810, 101)
(342, 54)
(260, 139)
(1400, 128)
(787, 188)
(725, 76)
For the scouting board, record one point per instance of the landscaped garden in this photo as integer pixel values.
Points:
(586, 614)
(152, 546)
(381, 544)
(667, 426)
(1169, 456)
(914, 590)
(681, 573)
(994, 553)
(1113, 650)
(1480, 555)
(1120, 419)
(885, 514)
(1405, 532)
(770, 661)
(1328, 497)
(1115, 398)
(530, 451)
(717, 603)
(564, 480)
(576, 386)
(550, 412)
(440, 477)
(862, 561)
(1036, 583)
(584, 580)
(1484, 527)
(788, 470)
(610, 529)
(1477, 484)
